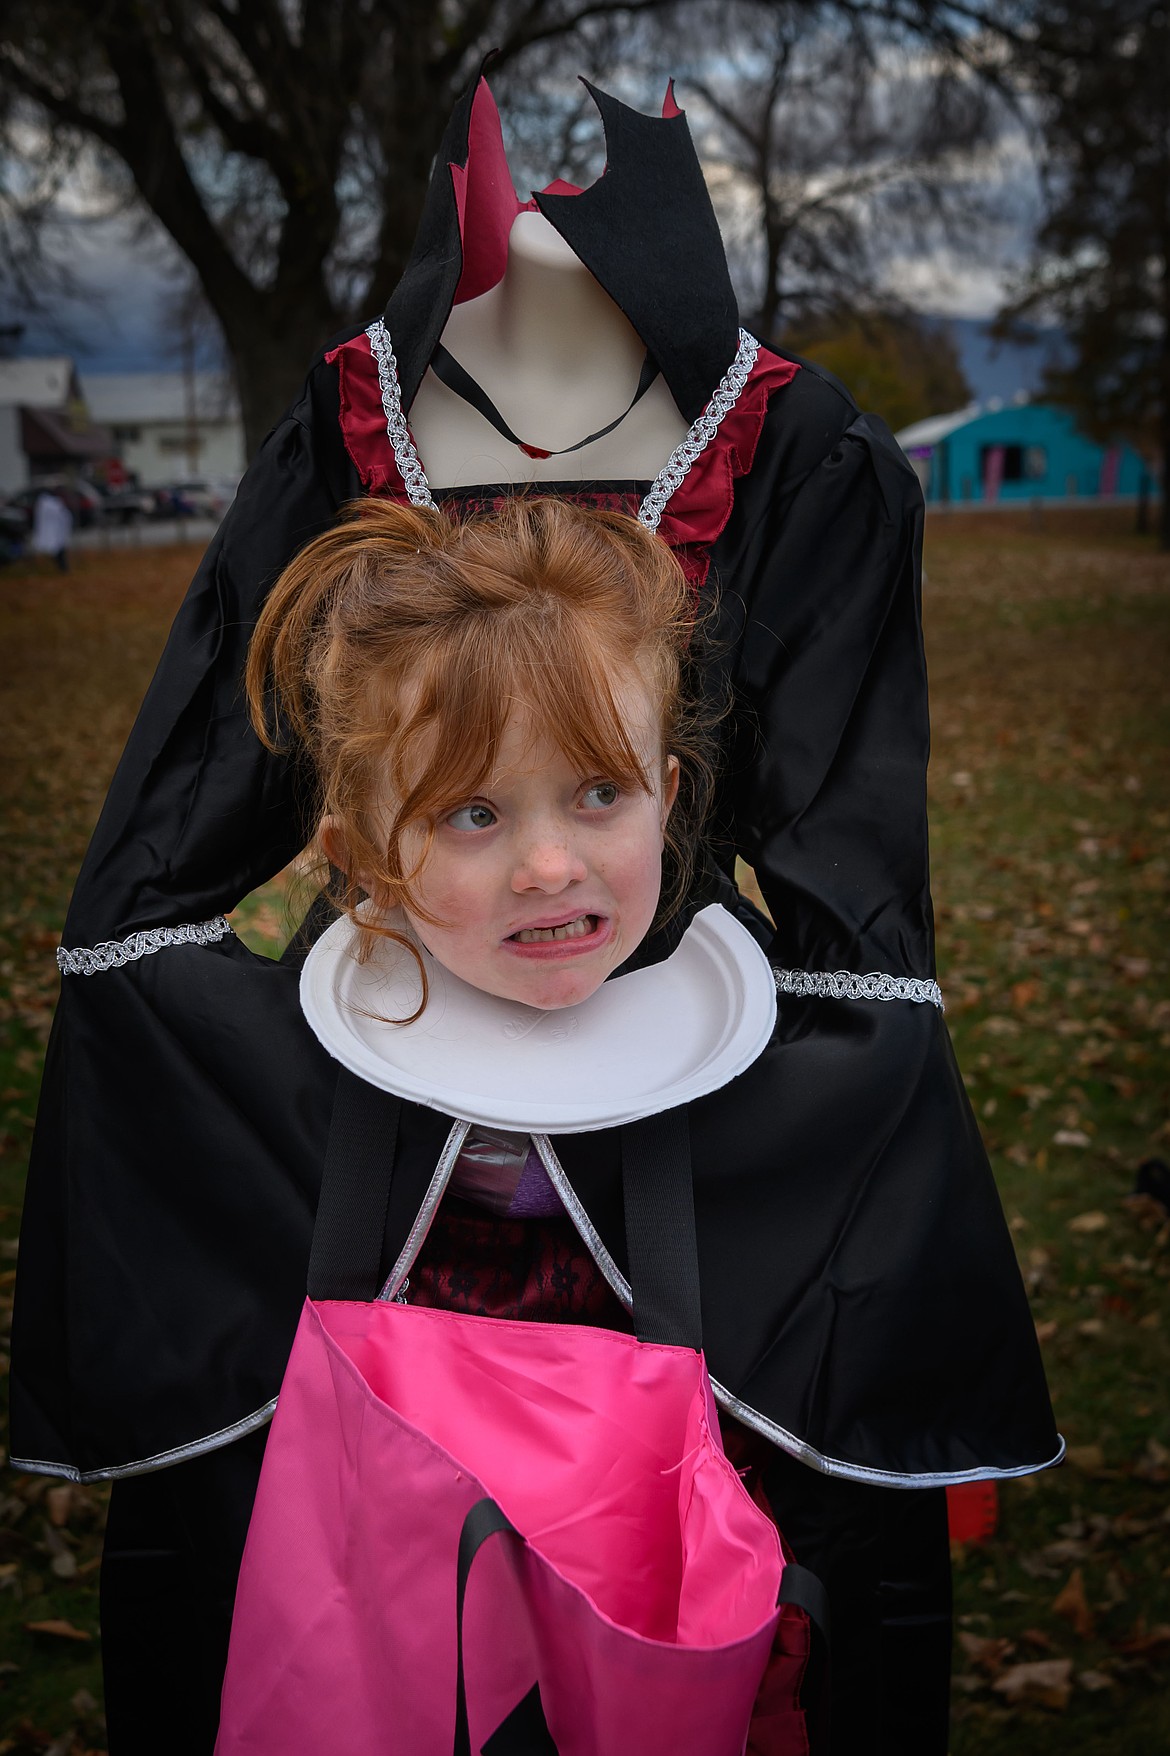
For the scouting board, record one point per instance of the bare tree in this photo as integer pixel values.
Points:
(1099, 78)
(834, 136)
(285, 145)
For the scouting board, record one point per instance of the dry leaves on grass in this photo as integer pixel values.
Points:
(58, 1629)
(1073, 1606)
(1042, 1682)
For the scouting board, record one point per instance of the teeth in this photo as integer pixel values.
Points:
(571, 930)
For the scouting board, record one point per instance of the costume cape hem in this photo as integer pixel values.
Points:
(861, 1281)
(788, 1442)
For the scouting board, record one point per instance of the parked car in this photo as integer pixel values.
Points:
(127, 504)
(85, 502)
(14, 528)
(205, 496)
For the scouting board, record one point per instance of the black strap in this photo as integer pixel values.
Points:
(803, 1589)
(525, 1731)
(661, 1242)
(800, 1587)
(457, 378)
(346, 1258)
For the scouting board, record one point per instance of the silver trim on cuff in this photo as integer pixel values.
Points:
(113, 953)
(840, 984)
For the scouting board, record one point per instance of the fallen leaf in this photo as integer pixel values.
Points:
(61, 1630)
(59, 1500)
(1091, 1326)
(1044, 1682)
(1089, 1459)
(1061, 1553)
(1074, 1137)
(1036, 1637)
(1149, 1214)
(1046, 1330)
(1146, 1641)
(1095, 1221)
(1154, 1463)
(1072, 1606)
(988, 1651)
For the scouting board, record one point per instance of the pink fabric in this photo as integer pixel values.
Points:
(643, 1602)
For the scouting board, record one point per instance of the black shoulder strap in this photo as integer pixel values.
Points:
(346, 1258)
(800, 1587)
(658, 1195)
(661, 1241)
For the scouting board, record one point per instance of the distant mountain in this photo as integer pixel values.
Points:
(1002, 369)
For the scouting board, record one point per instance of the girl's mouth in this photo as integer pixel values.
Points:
(581, 927)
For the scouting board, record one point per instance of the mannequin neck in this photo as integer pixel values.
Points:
(547, 319)
(559, 360)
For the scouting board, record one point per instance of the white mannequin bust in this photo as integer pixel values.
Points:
(559, 360)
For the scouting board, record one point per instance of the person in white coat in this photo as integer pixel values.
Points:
(52, 526)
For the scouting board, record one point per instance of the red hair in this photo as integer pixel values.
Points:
(393, 648)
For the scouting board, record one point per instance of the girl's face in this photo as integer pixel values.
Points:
(548, 879)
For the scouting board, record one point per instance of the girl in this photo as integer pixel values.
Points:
(502, 721)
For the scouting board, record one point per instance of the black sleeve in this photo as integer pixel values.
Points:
(199, 813)
(821, 581)
(185, 1105)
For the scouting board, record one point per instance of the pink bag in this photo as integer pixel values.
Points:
(627, 1601)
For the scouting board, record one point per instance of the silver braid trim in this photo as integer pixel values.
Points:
(841, 985)
(113, 953)
(678, 465)
(405, 456)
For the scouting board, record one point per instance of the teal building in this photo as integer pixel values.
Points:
(1018, 452)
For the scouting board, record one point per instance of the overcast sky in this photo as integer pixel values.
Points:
(125, 272)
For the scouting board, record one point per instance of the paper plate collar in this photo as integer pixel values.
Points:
(644, 1042)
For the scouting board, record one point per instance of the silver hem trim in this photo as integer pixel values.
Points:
(114, 953)
(841, 984)
(860, 1472)
(798, 1448)
(162, 1460)
(422, 1224)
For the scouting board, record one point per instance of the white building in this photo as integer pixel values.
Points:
(45, 425)
(171, 426)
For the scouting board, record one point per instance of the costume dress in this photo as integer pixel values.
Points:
(863, 1312)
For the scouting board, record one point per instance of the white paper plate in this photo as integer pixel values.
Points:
(644, 1042)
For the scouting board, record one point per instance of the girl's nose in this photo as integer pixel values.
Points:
(548, 862)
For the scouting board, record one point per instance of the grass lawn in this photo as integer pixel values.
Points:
(1050, 805)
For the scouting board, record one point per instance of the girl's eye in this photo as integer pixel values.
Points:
(472, 817)
(601, 795)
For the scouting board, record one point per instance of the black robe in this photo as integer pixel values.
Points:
(861, 1301)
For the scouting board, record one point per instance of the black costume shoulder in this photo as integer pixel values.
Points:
(862, 1305)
